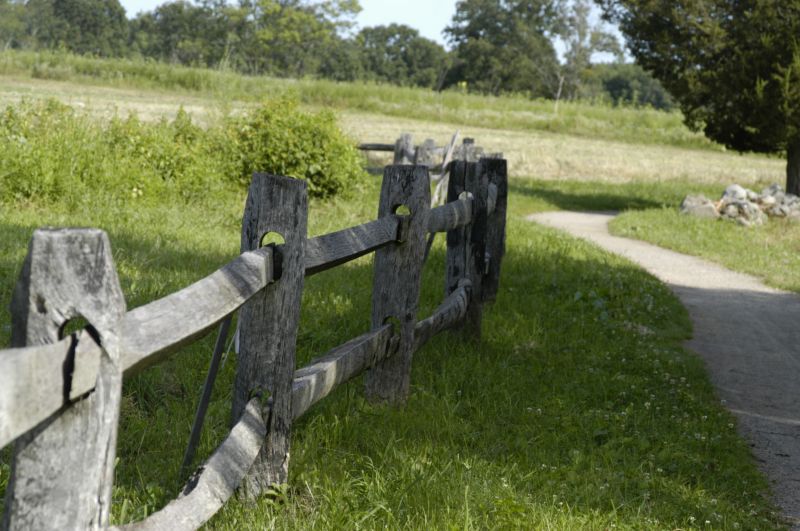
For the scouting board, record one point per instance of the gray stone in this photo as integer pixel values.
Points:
(776, 212)
(767, 200)
(699, 206)
(771, 190)
(736, 192)
(731, 211)
(751, 212)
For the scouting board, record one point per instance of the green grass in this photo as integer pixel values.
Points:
(579, 409)
(770, 252)
(584, 119)
(649, 212)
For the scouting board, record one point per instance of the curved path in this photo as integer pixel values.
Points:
(747, 333)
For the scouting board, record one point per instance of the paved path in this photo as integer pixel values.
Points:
(748, 334)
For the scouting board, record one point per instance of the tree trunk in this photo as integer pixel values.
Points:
(793, 166)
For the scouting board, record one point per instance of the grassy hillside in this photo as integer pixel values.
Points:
(515, 113)
(579, 409)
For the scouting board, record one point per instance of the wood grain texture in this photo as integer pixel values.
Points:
(452, 310)
(497, 173)
(150, 333)
(468, 151)
(153, 331)
(62, 471)
(404, 150)
(450, 216)
(34, 384)
(268, 321)
(214, 482)
(491, 198)
(427, 154)
(317, 380)
(396, 284)
(466, 246)
(329, 250)
(376, 147)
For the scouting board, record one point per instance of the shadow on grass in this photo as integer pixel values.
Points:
(567, 411)
(592, 196)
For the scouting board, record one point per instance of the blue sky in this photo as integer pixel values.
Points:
(428, 16)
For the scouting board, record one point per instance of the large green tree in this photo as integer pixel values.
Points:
(293, 37)
(733, 66)
(12, 24)
(97, 27)
(398, 54)
(505, 45)
(182, 32)
(582, 39)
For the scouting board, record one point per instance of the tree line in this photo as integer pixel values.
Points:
(498, 46)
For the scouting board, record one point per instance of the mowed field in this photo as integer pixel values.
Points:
(579, 408)
(531, 154)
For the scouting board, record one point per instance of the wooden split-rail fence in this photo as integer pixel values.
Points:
(436, 158)
(60, 393)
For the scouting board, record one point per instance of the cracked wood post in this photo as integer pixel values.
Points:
(62, 471)
(398, 270)
(268, 322)
(466, 246)
(496, 169)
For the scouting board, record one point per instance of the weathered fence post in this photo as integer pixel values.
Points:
(398, 270)
(404, 150)
(496, 170)
(426, 154)
(268, 322)
(63, 471)
(466, 246)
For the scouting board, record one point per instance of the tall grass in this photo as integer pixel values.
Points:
(578, 410)
(53, 153)
(596, 120)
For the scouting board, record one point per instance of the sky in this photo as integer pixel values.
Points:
(428, 16)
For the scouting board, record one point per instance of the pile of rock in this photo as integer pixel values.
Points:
(744, 206)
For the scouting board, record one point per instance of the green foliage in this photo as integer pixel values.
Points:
(277, 137)
(52, 153)
(732, 66)
(626, 84)
(397, 54)
(582, 39)
(503, 47)
(181, 32)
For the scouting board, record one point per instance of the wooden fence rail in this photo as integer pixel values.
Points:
(59, 396)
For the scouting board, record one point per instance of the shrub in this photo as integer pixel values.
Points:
(51, 153)
(277, 137)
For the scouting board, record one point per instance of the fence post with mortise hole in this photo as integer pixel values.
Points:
(398, 271)
(62, 471)
(268, 322)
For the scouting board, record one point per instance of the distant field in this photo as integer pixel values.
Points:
(531, 153)
(641, 126)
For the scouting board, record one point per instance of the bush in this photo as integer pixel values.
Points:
(279, 138)
(51, 153)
